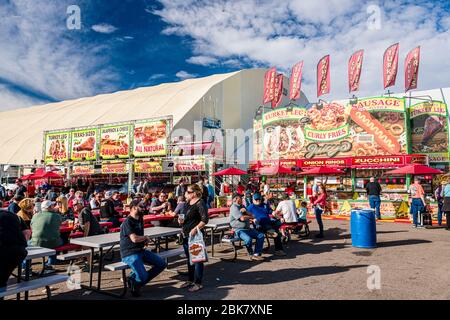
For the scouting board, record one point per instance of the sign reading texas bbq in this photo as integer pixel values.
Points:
(115, 141)
(84, 144)
(150, 138)
(56, 147)
(373, 126)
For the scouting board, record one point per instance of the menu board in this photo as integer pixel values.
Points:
(114, 167)
(150, 138)
(84, 144)
(115, 141)
(83, 170)
(429, 130)
(371, 127)
(56, 147)
(146, 166)
(189, 165)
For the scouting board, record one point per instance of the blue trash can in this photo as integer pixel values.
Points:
(363, 228)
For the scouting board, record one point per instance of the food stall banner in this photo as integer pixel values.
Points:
(354, 70)
(390, 65)
(429, 130)
(269, 85)
(115, 141)
(296, 81)
(114, 167)
(150, 138)
(412, 62)
(147, 166)
(83, 170)
(278, 95)
(189, 165)
(257, 139)
(84, 144)
(56, 147)
(323, 76)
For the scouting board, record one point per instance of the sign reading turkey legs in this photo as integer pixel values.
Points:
(84, 144)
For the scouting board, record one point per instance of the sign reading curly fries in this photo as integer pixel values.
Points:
(371, 127)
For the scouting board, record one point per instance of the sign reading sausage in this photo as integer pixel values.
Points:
(115, 141)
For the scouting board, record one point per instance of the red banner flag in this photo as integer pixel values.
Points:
(278, 91)
(323, 76)
(296, 81)
(390, 65)
(354, 70)
(269, 85)
(412, 69)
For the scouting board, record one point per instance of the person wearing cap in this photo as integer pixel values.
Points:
(264, 223)
(45, 230)
(107, 211)
(417, 201)
(240, 220)
(21, 189)
(86, 220)
(14, 205)
(133, 252)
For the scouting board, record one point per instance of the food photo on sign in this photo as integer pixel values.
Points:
(56, 147)
(84, 144)
(115, 141)
(150, 138)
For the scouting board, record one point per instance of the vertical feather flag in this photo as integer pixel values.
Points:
(354, 70)
(412, 62)
(323, 76)
(269, 85)
(390, 65)
(296, 81)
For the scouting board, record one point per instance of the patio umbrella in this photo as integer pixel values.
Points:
(42, 174)
(416, 169)
(26, 177)
(271, 171)
(322, 171)
(230, 172)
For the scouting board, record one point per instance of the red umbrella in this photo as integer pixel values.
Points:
(322, 171)
(42, 174)
(417, 169)
(230, 172)
(271, 171)
(26, 177)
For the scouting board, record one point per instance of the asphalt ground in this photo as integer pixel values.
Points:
(411, 264)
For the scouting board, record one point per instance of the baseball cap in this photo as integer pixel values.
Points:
(257, 196)
(108, 194)
(235, 195)
(136, 203)
(47, 204)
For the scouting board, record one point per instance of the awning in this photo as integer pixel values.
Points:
(323, 171)
(416, 169)
(230, 172)
(271, 171)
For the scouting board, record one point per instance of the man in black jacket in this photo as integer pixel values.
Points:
(107, 211)
(373, 189)
(12, 245)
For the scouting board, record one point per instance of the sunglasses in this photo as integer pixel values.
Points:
(190, 192)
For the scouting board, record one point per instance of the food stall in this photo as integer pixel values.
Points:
(364, 138)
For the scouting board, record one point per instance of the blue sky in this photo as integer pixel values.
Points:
(124, 44)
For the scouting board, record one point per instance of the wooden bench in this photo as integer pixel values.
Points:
(33, 285)
(120, 266)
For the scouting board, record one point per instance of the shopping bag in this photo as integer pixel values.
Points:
(197, 248)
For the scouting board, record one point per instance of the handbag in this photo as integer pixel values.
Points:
(197, 248)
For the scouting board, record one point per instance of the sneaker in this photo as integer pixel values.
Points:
(49, 270)
(256, 257)
(135, 292)
(414, 226)
(420, 227)
(280, 253)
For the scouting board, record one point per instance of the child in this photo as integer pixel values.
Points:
(302, 212)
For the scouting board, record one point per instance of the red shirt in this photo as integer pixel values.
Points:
(31, 190)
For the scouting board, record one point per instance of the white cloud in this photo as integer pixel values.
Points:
(202, 60)
(280, 33)
(38, 53)
(183, 75)
(11, 99)
(156, 76)
(104, 28)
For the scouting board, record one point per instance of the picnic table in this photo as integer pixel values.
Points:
(215, 224)
(32, 253)
(219, 211)
(110, 240)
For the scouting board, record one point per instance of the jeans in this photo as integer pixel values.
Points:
(440, 205)
(375, 203)
(136, 263)
(51, 260)
(318, 212)
(195, 271)
(247, 235)
(416, 207)
(266, 227)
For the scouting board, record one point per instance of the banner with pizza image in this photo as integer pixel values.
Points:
(84, 144)
(56, 147)
(429, 130)
(150, 138)
(373, 126)
(115, 141)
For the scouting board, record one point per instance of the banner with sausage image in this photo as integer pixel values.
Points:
(115, 141)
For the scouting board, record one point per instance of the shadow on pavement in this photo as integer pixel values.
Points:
(407, 242)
